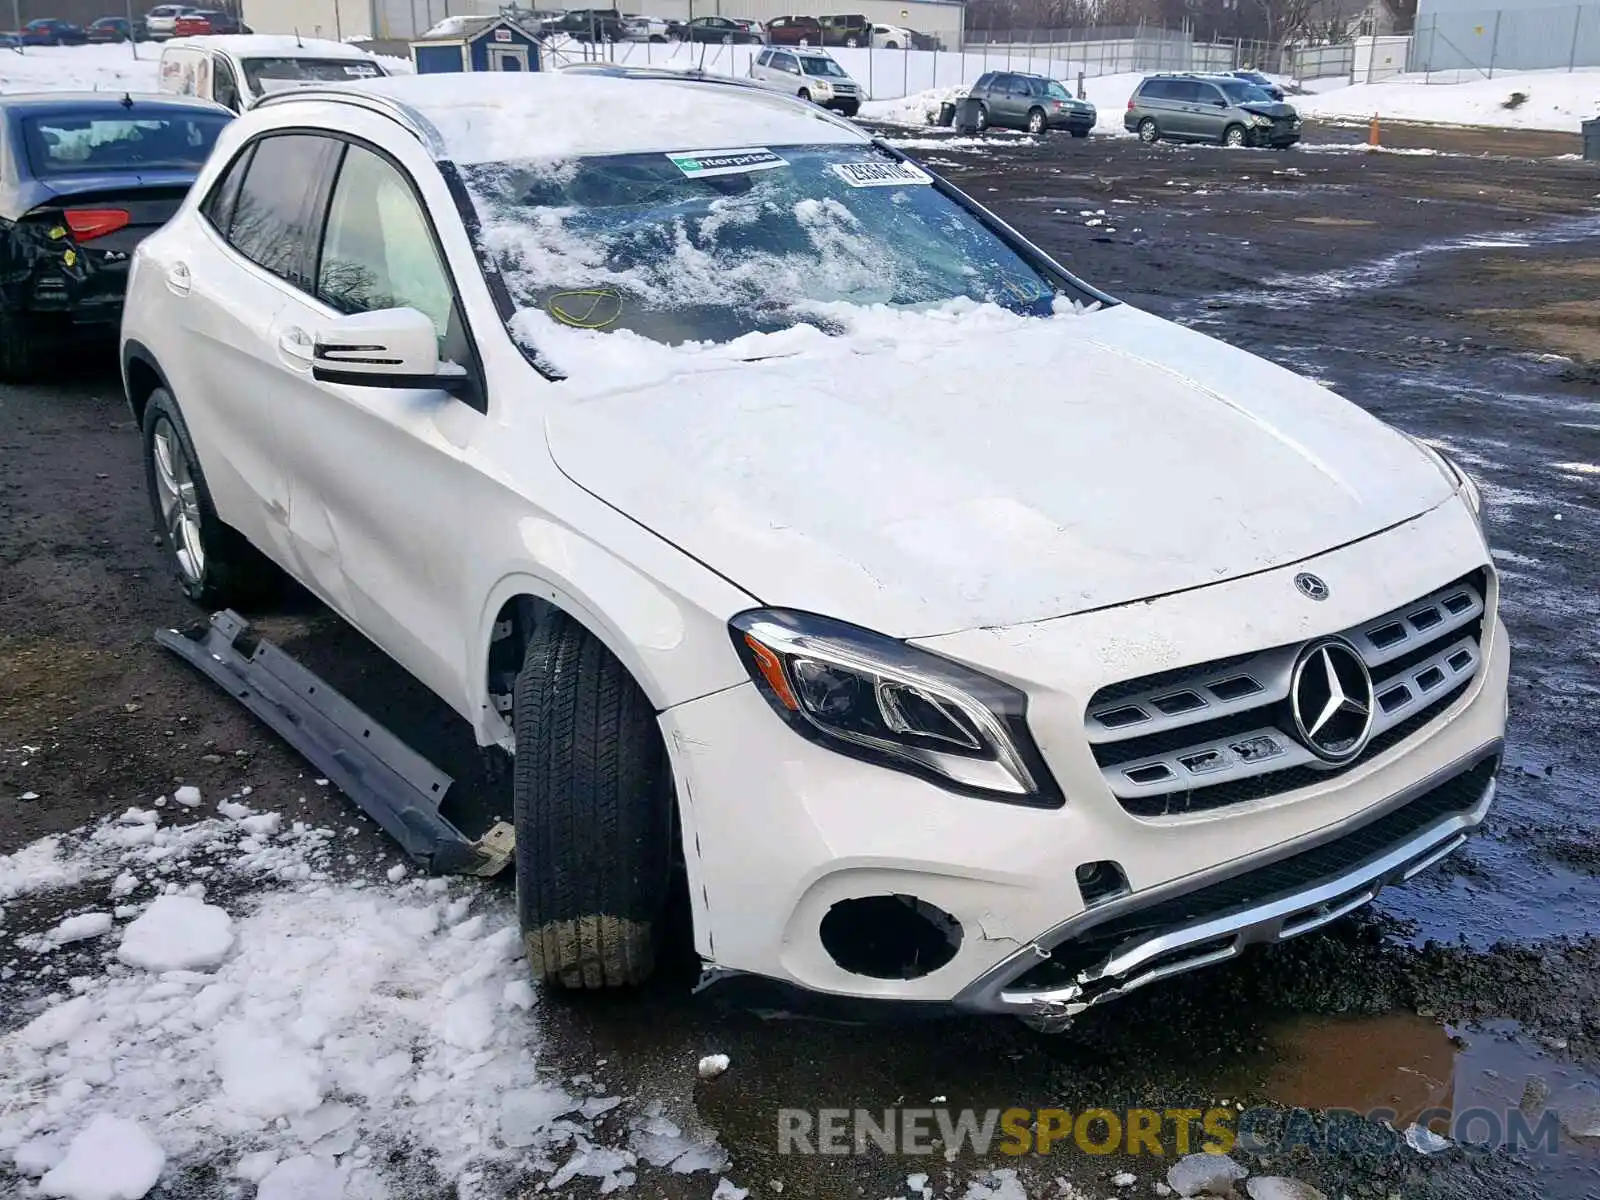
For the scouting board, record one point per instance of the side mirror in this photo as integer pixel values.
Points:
(391, 348)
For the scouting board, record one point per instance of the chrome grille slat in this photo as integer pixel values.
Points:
(1419, 655)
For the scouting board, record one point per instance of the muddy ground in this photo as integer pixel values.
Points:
(1455, 293)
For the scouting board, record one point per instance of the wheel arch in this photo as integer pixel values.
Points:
(673, 650)
(141, 375)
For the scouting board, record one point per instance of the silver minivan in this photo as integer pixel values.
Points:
(809, 73)
(1209, 108)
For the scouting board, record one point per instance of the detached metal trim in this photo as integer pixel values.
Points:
(390, 782)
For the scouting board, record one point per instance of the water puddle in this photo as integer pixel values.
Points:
(1493, 1085)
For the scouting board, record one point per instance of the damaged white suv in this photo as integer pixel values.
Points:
(963, 635)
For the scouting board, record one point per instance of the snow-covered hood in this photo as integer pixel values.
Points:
(1049, 467)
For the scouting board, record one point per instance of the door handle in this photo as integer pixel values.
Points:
(295, 347)
(178, 282)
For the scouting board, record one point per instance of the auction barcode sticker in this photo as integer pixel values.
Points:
(698, 164)
(880, 174)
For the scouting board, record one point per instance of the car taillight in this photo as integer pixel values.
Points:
(89, 223)
(1130, 103)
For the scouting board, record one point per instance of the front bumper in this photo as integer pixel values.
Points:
(780, 832)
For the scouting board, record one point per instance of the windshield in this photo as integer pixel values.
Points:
(1240, 92)
(68, 143)
(263, 73)
(822, 66)
(700, 247)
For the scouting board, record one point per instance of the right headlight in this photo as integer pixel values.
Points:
(881, 700)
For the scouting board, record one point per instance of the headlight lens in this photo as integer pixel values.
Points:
(1260, 121)
(879, 699)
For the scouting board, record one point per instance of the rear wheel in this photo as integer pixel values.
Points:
(1036, 122)
(1235, 135)
(1148, 133)
(983, 117)
(891, 45)
(215, 567)
(593, 795)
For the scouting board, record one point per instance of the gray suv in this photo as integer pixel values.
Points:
(1012, 99)
(1209, 108)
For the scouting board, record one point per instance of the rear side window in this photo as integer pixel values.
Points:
(74, 143)
(985, 82)
(272, 221)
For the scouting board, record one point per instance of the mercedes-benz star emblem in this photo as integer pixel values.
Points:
(1330, 694)
(1311, 585)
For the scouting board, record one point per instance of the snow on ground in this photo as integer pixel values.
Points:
(79, 69)
(1555, 100)
(227, 1006)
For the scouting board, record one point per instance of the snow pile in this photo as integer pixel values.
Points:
(80, 69)
(921, 108)
(325, 1039)
(1555, 100)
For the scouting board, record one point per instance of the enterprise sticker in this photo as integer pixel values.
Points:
(699, 164)
(880, 174)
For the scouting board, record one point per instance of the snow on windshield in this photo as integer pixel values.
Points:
(668, 247)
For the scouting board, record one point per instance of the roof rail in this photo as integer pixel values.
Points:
(402, 114)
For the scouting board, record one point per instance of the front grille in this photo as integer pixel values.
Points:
(1297, 873)
(1222, 732)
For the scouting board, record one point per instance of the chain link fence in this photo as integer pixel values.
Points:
(1453, 46)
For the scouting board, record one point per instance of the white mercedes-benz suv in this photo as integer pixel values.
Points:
(962, 635)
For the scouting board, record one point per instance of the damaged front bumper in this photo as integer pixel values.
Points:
(1114, 948)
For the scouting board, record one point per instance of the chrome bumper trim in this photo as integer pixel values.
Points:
(1215, 940)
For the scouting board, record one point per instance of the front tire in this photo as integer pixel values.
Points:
(213, 564)
(1148, 133)
(593, 796)
(804, 94)
(1235, 136)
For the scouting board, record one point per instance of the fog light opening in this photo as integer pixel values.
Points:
(1101, 881)
(889, 937)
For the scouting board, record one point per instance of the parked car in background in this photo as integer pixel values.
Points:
(892, 37)
(1209, 108)
(794, 31)
(117, 29)
(238, 70)
(646, 29)
(84, 177)
(202, 22)
(163, 19)
(752, 26)
(1261, 81)
(590, 25)
(809, 73)
(48, 31)
(851, 29)
(1036, 103)
(720, 30)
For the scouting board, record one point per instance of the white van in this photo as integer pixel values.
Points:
(237, 70)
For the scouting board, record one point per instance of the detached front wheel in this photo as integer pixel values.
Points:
(593, 794)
